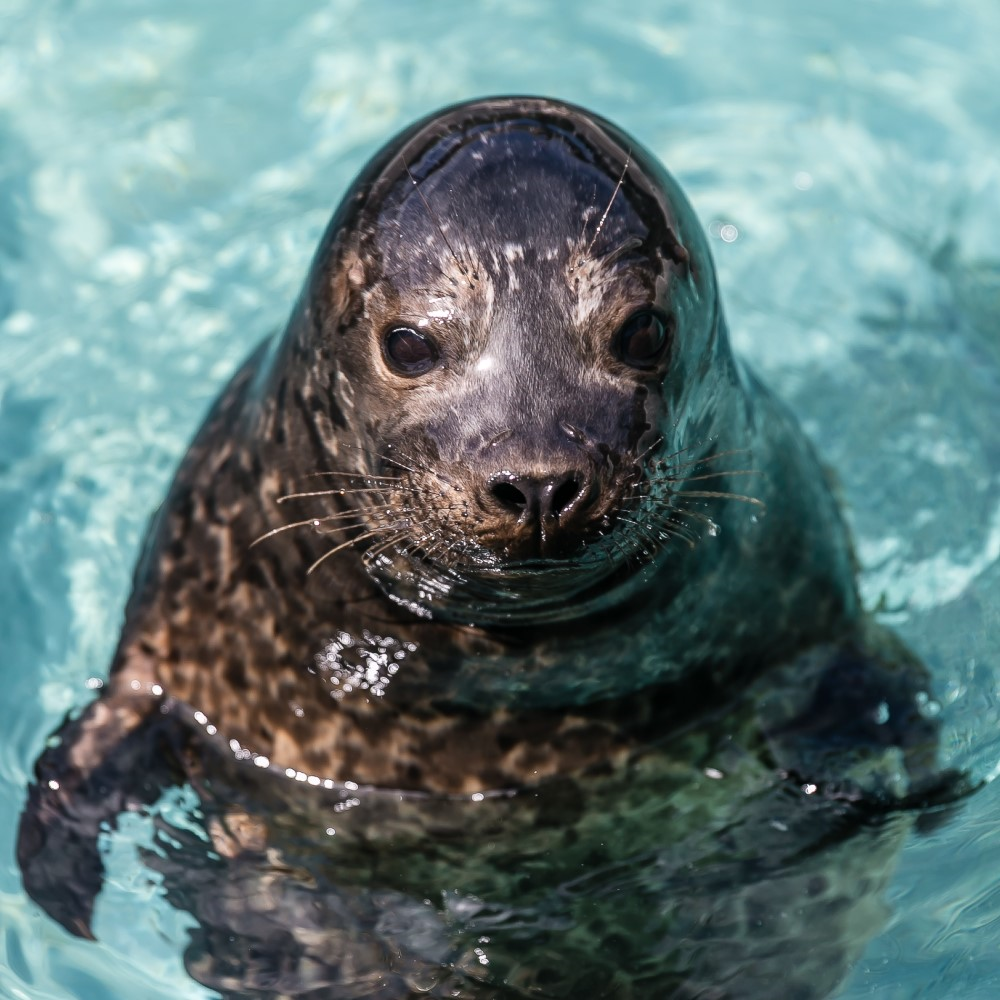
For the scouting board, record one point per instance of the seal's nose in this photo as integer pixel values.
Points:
(539, 499)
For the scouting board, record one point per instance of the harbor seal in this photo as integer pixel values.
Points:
(504, 623)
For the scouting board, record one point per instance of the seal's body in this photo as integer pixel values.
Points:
(498, 549)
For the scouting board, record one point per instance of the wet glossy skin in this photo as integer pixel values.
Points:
(498, 508)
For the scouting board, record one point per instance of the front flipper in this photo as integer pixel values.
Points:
(858, 721)
(118, 755)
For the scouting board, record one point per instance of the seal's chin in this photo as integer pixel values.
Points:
(496, 591)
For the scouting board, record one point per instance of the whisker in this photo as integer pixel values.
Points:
(313, 521)
(359, 475)
(416, 543)
(669, 535)
(371, 554)
(299, 524)
(725, 496)
(604, 217)
(672, 528)
(686, 512)
(647, 529)
(714, 457)
(446, 551)
(681, 531)
(615, 253)
(646, 451)
(416, 468)
(338, 491)
(718, 474)
(602, 550)
(402, 465)
(352, 541)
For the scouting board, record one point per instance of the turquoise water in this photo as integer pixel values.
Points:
(166, 168)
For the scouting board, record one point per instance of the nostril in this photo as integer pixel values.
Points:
(509, 496)
(564, 494)
(539, 498)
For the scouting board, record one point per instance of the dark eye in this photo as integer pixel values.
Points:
(642, 338)
(408, 352)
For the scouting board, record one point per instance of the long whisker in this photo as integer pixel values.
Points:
(364, 477)
(685, 511)
(355, 475)
(313, 521)
(683, 531)
(604, 217)
(339, 491)
(707, 475)
(725, 496)
(295, 524)
(352, 541)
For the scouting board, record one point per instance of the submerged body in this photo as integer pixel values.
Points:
(497, 564)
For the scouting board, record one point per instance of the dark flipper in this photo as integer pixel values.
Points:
(118, 755)
(867, 731)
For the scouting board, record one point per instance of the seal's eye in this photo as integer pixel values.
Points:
(641, 339)
(408, 352)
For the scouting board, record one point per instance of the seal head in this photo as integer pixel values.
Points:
(509, 318)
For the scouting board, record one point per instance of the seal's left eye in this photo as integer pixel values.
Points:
(641, 339)
(408, 352)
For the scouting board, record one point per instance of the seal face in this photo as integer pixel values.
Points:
(496, 561)
(505, 304)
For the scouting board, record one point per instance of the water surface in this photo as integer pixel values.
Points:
(165, 171)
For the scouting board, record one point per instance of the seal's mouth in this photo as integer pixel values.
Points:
(526, 583)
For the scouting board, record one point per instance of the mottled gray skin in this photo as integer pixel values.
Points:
(534, 570)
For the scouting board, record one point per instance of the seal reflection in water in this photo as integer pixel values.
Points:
(503, 622)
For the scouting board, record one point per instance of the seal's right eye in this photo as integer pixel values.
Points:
(407, 352)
